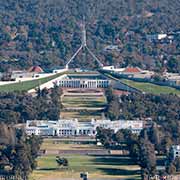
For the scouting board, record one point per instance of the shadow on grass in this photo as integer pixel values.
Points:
(47, 169)
(119, 172)
(113, 160)
(52, 169)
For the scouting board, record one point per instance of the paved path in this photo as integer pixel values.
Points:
(85, 108)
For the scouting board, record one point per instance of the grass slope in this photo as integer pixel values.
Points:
(100, 166)
(151, 88)
(84, 102)
(97, 166)
(26, 85)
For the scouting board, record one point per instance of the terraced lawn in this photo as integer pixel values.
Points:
(83, 107)
(81, 115)
(84, 101)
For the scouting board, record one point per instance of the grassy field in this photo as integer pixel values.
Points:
(72, 103)
(151, 88)
(98, 166)
(84, 101)
(56, 144)
(81, 115)
(26, 85)
(109, 167)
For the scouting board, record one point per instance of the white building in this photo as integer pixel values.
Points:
(83, 81)
(173, 78)
(175, 151)
(131, 72)
(64, 128)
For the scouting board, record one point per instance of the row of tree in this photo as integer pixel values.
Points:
(142, 149)
(18, 152)
(19, 107)
(161, 108)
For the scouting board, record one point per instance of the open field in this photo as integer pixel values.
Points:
(81, 115)
(151, 88)
(27, 85)
(58, 144)
(109, 167)
(83, 104)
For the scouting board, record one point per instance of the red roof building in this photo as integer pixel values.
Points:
(132, 70)
(36, 69)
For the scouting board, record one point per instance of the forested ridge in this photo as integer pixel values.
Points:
(47, 32)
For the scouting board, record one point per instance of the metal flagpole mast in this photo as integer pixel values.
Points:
(83, 47)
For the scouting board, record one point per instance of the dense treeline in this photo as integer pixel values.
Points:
(161, 108)
(164, 110)
(142, 148)
(17, 152)
(19, 107)
(47, 32)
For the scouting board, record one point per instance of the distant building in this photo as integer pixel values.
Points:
(155, 37)
(172, 78)
(83, 81)
(34, 72)
(63, 128)
(131, 72)
(175, 151)
(112, 48)
(35, 69)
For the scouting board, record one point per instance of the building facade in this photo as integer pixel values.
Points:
(83, 81)
(175, 151)
(65, 128)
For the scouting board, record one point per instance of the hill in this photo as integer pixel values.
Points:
(46, 33)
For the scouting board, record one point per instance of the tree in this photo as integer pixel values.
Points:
(62, 161)
(105, 136)
(154, 135)
(171, 169)
(177, 164)
(147, 154)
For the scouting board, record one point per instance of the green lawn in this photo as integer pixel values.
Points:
(27, 85)
(100, 166)
(151, 88)
(83, 101)
(147, 87)
(81, 115)
(97, 166)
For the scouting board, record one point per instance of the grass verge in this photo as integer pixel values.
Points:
(27, 85)
(151, 88)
